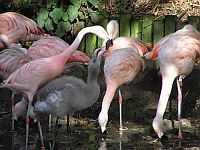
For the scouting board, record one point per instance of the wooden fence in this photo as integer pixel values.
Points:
(147, 29)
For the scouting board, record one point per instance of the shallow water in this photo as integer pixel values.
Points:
(136, 136)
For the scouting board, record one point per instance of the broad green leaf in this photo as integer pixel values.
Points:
(72, 12)
(52, 2)
(49, 24)
(76, 2)
(94, 2)
(80, 25)
(62, 28)
(84, 1)
(67, 26)
(96, 17)
(81, 15)
(42, 16)
(100, 7)
(65, 16)
(56, 14)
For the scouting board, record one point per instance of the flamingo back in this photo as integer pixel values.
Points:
(51, 46)
(181, 52)
(11, 59)
(122, 65)
(188, 30)
(17, 28)
(127, 42)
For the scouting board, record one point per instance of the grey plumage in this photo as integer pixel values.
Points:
(67, 94)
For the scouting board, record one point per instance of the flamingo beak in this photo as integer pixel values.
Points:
(109, 43)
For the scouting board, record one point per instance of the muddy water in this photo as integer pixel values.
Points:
(135, 136)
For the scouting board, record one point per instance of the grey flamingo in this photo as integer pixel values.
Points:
(68, 94)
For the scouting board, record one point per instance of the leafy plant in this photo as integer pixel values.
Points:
(59, 20)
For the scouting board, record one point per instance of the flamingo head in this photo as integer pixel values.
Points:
(79, 56)
(101, 33)
(158, 126)
(103, 119)
(113, 29)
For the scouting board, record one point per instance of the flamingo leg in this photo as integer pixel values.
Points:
(120, 113)
(13, 107)
(67, 123)
(28, 117)
(179, 86)
(41, 135)
(55, 133)
(49, 125)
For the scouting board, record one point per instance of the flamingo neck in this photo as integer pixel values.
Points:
(110, 92)
(167, 83)
(72, 48)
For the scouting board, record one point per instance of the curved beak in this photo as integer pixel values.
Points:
(109, 43)
(96, 52)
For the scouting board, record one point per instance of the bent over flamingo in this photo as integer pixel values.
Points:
(177, 55)
(122, 63)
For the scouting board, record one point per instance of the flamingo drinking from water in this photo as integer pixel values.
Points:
(122, 63)
(35, 74)
(177, 54)
(15, 27)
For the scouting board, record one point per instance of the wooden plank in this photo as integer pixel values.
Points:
(194, 21)
(158, 31)
(124, 25)
(91, 42)
(103, 23)
(136, 28)
(170, 24)
(180, 25)
(147, 27)
(82, 44)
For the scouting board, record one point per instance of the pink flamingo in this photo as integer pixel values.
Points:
(122, 63)
(177, 55)
(15, 27)
(15, 56)
(37, 73)
(43, 48)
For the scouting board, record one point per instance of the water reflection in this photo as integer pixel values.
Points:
(84, 138)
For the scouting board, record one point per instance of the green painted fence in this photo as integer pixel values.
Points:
(146, 28)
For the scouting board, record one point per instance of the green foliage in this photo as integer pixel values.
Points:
(72, 12)
(62, 28)
(56, 14)
(59, 19)
(42, 16)
(60, 16)
(49, 24)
